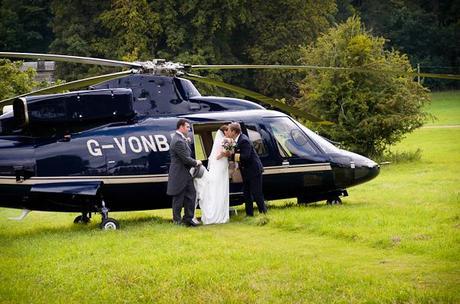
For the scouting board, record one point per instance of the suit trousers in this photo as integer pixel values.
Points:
(185, 199)
(252, 191)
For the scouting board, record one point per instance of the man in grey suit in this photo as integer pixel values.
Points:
(180, 182)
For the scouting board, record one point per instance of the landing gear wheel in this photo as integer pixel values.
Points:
(334, 201)
(109, 224)
(81, 219)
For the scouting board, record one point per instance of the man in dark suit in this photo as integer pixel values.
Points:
(251, 170)
(180, 182)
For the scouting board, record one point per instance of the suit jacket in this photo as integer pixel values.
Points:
(181, 162)
(247, 157)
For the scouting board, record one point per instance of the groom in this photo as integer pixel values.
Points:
(251, 170)
(180, 182)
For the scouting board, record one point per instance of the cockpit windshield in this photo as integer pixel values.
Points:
(319, 140)
(290, 139)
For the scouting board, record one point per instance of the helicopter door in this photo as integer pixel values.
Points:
(203, 140)
(303, 165)
(260, 140)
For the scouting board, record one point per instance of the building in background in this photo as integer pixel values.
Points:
(45, 70)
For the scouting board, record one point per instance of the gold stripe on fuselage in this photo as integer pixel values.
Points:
(125, 179)
(156, 178)
(297, 168)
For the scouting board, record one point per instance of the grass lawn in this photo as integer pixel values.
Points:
(394, 240)
(445, 107)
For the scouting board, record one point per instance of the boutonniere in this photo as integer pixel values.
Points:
(188, 140)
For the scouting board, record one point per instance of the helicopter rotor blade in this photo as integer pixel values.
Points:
(314, 67)
(72, 59)
(71, 85)
(256, 96)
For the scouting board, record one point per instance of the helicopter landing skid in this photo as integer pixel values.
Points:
(107, 222)
(24, 213)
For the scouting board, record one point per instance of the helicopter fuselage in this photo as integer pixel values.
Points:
(127, 163)
(109, 147)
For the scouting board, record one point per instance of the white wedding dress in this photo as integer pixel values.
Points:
(213, 188)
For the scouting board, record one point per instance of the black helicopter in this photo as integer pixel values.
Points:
(107, 148)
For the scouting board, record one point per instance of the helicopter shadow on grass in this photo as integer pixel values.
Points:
(293, 204)
(146, 219)
(150, 219)
(286, 205)
(290, 204)
(92, 226)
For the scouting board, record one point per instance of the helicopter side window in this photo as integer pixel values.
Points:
(186, 88)
(290, 140)
(257, 140)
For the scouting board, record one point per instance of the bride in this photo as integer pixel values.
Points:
(213, 188)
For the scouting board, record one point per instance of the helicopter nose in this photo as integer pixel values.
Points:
(366, 171)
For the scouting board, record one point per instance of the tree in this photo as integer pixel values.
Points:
(134, 29)
(426, 30)
(78, 31)
(276, 31)
(24, 25)
(13, 81)
(196, 32)
(246, 32)
(203, 32)
(371, 110)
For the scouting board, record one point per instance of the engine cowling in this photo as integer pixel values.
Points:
(74, 108)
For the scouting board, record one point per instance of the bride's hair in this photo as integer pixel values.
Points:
(223, 128)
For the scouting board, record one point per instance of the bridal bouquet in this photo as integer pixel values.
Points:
(229, 145)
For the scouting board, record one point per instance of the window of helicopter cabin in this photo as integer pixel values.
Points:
(290, 140)
(257, 140)
(186, 88)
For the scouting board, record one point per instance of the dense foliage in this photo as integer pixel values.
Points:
(232, 31)
(196, 32)
(24, 25)
(13, 81)
(370, 110)
(134, 30)
(428, 31)
(77, 31)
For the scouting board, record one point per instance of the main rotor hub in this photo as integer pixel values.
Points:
(162, 67)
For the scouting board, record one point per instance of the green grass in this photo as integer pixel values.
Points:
(394, 240)
(445, 107)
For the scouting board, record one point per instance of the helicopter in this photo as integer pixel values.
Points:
(106, 148)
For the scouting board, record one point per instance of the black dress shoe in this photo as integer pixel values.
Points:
(191, 224)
